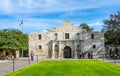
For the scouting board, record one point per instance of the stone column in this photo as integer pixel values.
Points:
(17, 54)
(81, 46)
(53, 51)
(4, 53)
(59, 51)
(75, 52)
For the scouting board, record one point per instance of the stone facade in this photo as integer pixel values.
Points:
(65, 41)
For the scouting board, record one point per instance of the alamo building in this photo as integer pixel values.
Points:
(66, 41)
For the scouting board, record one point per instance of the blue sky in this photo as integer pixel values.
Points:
(40, 15)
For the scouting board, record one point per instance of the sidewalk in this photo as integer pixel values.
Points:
(111, 61)
(6, 66)
(3, 61)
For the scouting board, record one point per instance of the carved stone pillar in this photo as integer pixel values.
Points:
(59, 51)
(75, 52)
(53, 50)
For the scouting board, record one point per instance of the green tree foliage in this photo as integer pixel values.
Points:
(112, 29)
(12, 39)
(85, 26)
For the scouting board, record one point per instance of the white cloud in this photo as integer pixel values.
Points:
(27, 8)
(46, 6)
(6, 6)
(31, 25)
(44, 31)
(95, 24)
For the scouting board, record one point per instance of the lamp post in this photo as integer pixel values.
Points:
(115, 56)
(13, 63)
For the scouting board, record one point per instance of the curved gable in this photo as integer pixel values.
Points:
(66, 26)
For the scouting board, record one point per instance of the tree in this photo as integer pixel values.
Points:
(85, 26)
(12, 39)
(112, 29)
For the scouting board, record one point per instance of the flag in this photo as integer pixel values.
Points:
(21, 23)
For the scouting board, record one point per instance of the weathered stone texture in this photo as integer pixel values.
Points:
(53, 41)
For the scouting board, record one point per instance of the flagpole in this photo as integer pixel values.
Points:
(22, 38)
(21, 24)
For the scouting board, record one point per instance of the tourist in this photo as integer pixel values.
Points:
(91, 55)
(83, 55)
(7, 55)
(32, 55)
(80, 55)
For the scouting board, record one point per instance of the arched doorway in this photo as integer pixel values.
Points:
(67, 52)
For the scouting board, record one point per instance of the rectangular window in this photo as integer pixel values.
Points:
(94, 46)
(40, 47)
(56, 36)
(92, 36)
(66, 35)
(77, 33)
(55, 45)
(39, 36)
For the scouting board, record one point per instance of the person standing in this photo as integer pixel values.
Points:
(32, 55)
(83, 55)
(80, 55)
(91, 55)
(7, 55)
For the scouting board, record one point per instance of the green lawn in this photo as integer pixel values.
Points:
(69, 68)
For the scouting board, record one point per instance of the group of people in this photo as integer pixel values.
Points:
(89, 54)
(10, 56)
(81, 56)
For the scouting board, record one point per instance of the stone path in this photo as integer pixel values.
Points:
(111, 61)
(6, 66)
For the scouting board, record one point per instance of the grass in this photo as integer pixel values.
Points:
(69, 68)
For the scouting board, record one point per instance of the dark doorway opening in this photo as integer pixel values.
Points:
(67, 52)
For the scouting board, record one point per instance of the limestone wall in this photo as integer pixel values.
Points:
(98, 41)
(75, 33)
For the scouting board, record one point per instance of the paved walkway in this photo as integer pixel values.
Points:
(3, 61)
(7, 65)
(111, 61)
